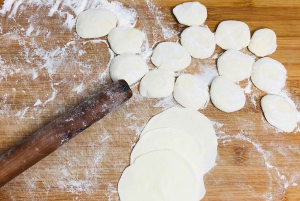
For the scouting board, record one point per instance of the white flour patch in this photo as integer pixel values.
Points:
(247, 89)
(112, 193)
(166, 103)
(207, 73)
(78, 88)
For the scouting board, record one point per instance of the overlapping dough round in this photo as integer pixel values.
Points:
(190, 13)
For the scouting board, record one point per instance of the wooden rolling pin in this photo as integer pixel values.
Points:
(46, 140)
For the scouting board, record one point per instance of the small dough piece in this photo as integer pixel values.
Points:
(198, 41)
(263, 42)
(94, 23)
(190, 13)
(235, 65)
(170, 56)
(268, 75)
(232, 34)
(158, 176)
(157, 84)
(191, 92)
(226, 95)
(279, 112)
(193, 123)
(128, 66)
(125, 40)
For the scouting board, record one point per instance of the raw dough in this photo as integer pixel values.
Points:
(226, 95)
(263, 42)
(170, 56)
(232, 34)
(190, 13)
(95, 23)
(198, 41)
(193, 123)
(157, 84)
(235, 65)
(268, 75)
(190, 91)
(125, 40)
(279, 112)
(128, 66)
(158, 176)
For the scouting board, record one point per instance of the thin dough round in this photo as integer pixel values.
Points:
(160, 176)
(94, 23)
(232, 34)
(190, 13)
(198, 41)
(191, 92)
(170, 56)
(125, 40)
(226, 95)
(235, 65)
(268, 75)
(279, 112)
(128, 66)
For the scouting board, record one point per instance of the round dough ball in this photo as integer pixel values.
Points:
(263, 42)
(157, 84)
(232, 34)
(125, 40)
(129, 67)
(235, 65)
(268, 75)
(95, 23)
(170, 56)
(198, 41)
(279, 112)
(159, 175)
(190, 13)
(191, 92)
(226, 95)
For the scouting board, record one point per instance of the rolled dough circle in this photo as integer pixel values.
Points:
(170, 56)
(190, 13)
(198, 41)
(232, 34)
(128, 66)
(191, 92)
(226, 95)
(268, 75)
(94, 23)
(279, 112)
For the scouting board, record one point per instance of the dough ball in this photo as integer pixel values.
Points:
(129, 67)
(190, 13)
(191, 92)
(157, 84)
(226, 95)
(268, 75)
(95, 23)
(159, 175)
(170, 56)
(198, 41)
(279, 112)
(232, 34)
(235, 65)
(125, 40)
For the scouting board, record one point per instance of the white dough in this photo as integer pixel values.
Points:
(158, 176)
(198, 41)
(157, 84)
(232, 34)
(125, 40)
(190, 13)
(235, 65)
(226, 95)
(263, 42)
(94, 23)
(170, 56)
(193, 123)
(268, 75)
(279, 112)
(128, 66)
(191, 92)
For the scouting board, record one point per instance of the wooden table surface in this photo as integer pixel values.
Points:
(45, 69)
